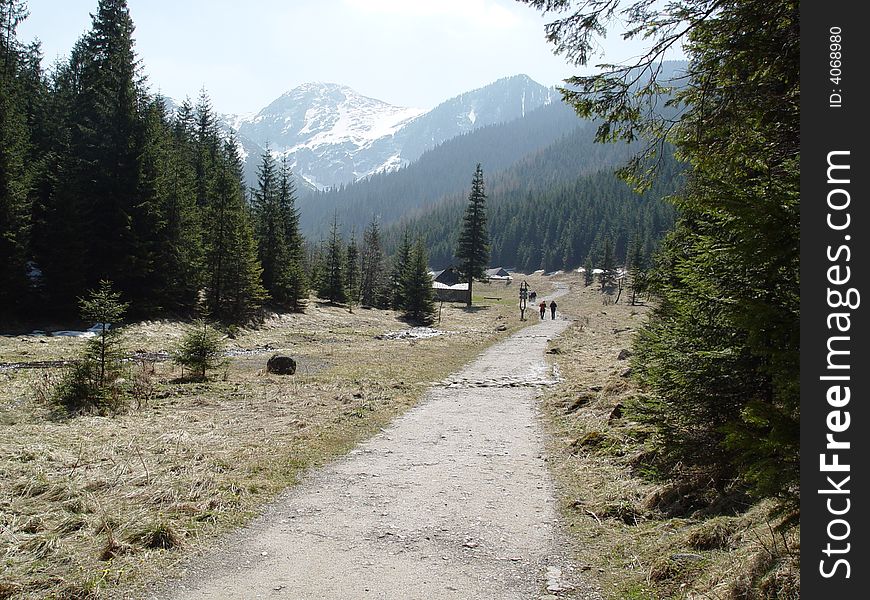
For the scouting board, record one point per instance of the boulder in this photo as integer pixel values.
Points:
(623, 354)
(281, 365)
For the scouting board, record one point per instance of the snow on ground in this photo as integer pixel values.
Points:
(415, 333)
(92, 331)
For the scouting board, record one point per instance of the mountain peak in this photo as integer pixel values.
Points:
(332, 134)
(320, 86)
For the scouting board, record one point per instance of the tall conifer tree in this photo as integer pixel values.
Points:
(233, 272)
(372, 278)
(401, 260)
(419, 303)
(352, 269)
(297, 282)
(333, 282)
(15, 175)
(270, 227)
(107, 130)
(472, 250)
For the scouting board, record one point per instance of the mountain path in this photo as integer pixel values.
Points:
(452, 501)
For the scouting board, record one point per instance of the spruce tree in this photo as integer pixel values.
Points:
(401, 260)
(16, 176)
(269, 220)
(607, 278)
(333, 284)
(233, 272)
(372, 278)
(472, 250)
(297, 282)
(419, 303)
(314, 264)
(637, 279)
(91, 384)
(201, 349)
(588, 272)
(166, 272)
(106, 128)
(352, 269)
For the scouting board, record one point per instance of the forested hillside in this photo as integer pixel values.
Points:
(555, 208)
(441, 171)
(557, 227)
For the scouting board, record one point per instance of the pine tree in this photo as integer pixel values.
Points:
(334, 282)
(419, 304)
(472, 250)
(637, 279)
(314, 264)
(233, 273)
(207, 147)
(105, 145)
(91, 383)
(201, 349)
(401, 260)
(16, 178)
(588, 273)
(607, 278)
(271, 231)
(372, 280)
(165, 273)
(297, 282)
(352, 269)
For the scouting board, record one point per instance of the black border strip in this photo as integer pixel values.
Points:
(834, 261)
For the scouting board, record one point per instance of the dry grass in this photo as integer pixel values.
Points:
(93, 507)
(608, 495)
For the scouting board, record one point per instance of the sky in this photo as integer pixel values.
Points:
(414, 53)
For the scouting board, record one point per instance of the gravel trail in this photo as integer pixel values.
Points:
(451, 501)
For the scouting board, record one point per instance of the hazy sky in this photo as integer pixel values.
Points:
(405, 52)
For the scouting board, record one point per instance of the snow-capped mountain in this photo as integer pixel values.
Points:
(499, 102)
(333, 135)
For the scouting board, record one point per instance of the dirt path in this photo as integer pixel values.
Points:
(452, 501)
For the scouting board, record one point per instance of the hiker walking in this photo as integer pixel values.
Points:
(543, 307)
(552, 310)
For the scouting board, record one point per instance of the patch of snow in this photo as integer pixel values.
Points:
(90, 332)
(81, 334)
(414, 333)
(524, 103)
(443, 286)
(235, 121)
(472, 116)
(393, 163)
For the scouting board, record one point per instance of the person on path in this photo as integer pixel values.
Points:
(543, 307)
(552, 310)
